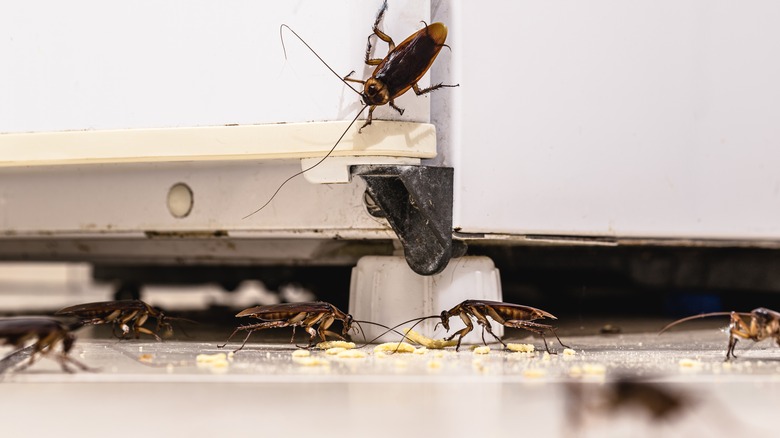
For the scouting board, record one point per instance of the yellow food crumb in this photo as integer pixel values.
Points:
(380, 355)
(213, 362)
(301, 353)
(482, 350)
(689, 363)
(145, 357)
(395, 347)
(534, 373)
(218, 367)
(335, 350)
(569, 352)
(434, 364)
(219, 363)
(521, 348)
(546, 356)
(575, 371)
(594, 368)
(438, 354)
(208, 358)
(420, 350)
(351, 354)
(433, 344)
(336, 344)
(310, 361)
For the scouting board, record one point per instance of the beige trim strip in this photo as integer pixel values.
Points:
(214, 143)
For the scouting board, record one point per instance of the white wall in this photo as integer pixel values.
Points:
(612, 117)
(107, 64)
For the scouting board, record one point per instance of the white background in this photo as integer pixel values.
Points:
(98, 64)
(615, 118)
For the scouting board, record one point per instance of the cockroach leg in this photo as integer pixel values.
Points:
(369, 60)
(400, 110)
(348, 78)
(419, 91)
(368, 119)
(383, 36)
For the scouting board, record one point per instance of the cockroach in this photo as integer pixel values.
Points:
(506, 314)
(403, 66)
(763, 323)
(127, 315)
(400, 70)
(316, 317)
(45, 333)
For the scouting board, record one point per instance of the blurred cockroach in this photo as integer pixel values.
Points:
(764, 323)
(46, 333)
(127, 315)
(396, 73)
(657, 401)
(316, 317)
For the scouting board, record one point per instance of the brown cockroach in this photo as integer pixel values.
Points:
(127, 315)
(400, 70)
(403, 66)
(763, 324)
(316, 317)
(506, 314)
(46, 333)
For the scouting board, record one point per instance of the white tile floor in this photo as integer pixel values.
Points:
(158, 389)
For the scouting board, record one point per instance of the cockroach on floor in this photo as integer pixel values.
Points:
(127, 315)
(315, 317)
(763, 324)
(506, 314)
(46, 333)
(400, 70)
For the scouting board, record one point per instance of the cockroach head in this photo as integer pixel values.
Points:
(348, 320)
(375, 92)
(445, 320)
(163, 324)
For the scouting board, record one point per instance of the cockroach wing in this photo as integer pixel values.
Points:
(102, 307)
(313, 306)
(409, 61)
(511, 311)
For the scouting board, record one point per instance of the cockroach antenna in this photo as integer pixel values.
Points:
(403, 335)
(700, 316)
(310, 167)
(284, 49)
